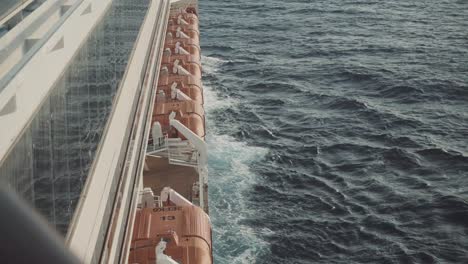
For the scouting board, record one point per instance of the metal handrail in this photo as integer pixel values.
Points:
(6, 79)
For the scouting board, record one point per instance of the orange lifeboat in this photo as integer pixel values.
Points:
(184, 58)
(183, 68)
(191, 30)
(190, 18)
(187, 84)
(189, 113)
(183, 36)
(174, 229)
(184, 230)
(183, 42)
(192, 49)
(193, 90)
(186, 79)
(181, 75)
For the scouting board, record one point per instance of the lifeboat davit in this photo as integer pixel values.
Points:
(176, 230)
(182, 67)
(188, 86)
(182, 48)
(170, 40)
(189, 113)
(185, 58)
(184, 19)
(179, 90)
(179, 30)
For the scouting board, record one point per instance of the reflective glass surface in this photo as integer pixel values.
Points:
(50, 163)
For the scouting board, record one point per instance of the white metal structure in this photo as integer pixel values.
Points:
(201, 154)
(18, 102)
(191, 152)
(52, 36)
(99, 231)
(22, 41)
(14, 11)
(118, 160)
(162, 258)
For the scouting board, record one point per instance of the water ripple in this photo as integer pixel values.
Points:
(361, 108)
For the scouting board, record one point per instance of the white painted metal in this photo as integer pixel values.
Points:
(179, 69)
(202, 154)
(176, 66)
(182, 153)
(18, 45)
(191, 152)
(4, 18)
(168, 193)
(179, 50)
(147, 198)
(32, 84)
(181, 34)
(157, 134)
(89, 226)
(177, 94)
(125, 207)
(195, 140)
(181, 21)
(162, 258)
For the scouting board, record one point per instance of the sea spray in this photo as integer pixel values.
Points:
(229, 178)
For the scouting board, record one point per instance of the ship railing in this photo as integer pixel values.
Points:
(158, 147)
(200, 154)
(157, 201)
(178, 151)
(182, 152)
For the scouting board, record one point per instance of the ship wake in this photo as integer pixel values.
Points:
(230, 180)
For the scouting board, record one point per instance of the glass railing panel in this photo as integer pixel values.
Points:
(49, 164)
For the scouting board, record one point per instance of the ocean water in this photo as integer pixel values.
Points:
(338, 130)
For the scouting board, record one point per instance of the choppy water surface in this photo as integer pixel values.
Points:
(339, 130)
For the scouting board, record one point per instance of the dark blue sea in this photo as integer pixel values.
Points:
(338, 130)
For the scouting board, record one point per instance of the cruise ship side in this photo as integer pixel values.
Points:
(174, 225)
(141, 191)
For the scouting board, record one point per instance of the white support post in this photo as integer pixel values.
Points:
(200, 146)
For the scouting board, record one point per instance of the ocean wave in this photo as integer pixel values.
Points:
(388, 139)
(401, 159)
(230, 177)
(215, 102)
(444, 158)
(362, 123)
(358, 74)
(343, 103)
(211, 64)
(402, 91)
(274, 87)
(220, 48)
(269, 102)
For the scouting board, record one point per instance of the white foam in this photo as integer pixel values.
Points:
(229, 178)
(211, 64)
(213, 101)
